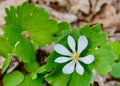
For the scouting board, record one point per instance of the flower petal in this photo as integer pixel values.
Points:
(62, 50)
(71, 43)
(82, 43)
(69, 68)
(88, 59)
(79, 68)
(62, 59)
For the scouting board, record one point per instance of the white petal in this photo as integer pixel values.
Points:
(69, 68)
(62, 59)
(71, 43)
(62, 50)
(79, 68)
(88, 59)
(82, 43)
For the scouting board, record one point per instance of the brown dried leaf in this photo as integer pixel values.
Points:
(106, 17)
(111, 83)
(82, 5)
(99, 79)
(100, 3)
(61, 16)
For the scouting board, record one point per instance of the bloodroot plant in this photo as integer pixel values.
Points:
(77, 51)
(74, 56)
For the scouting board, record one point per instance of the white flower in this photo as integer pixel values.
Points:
(73, 57)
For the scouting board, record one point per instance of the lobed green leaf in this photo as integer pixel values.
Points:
(33, 20)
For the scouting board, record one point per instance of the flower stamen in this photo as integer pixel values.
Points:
(75, 56)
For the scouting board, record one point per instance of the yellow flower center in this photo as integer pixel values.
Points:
(75, 56)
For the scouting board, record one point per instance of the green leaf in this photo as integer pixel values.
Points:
(6, 64)
(32, 67)
(57, 78)
(103, 57)
(41, 69)
(115, 70)
(11, 13)
(13, 79)
(62, 27)
(81, 80)
(5, 47)
(25, 51)
(5, 51)
(33, 20)
(22, 47)
(10, 34)
(96, 28)
(116, 48)
(28, 81)
(33, 75)
(44, 34)
(50, 61)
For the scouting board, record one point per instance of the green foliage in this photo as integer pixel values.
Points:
(25, 51)
(62, 27)
(57, 78)
(5, 47)
(36, 23)
(33, 20)
(116, 64)
(31, 67)
(116, 48)
(115, 70)
(41, 69)
(84, 80)
(28, 81)
(97, 46)
(5, 51)
(13, 79)
(22, 47)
